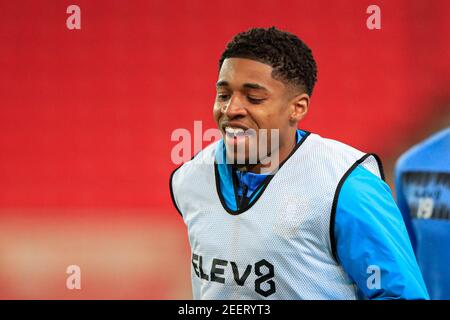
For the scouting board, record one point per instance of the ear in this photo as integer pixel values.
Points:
(299, 107)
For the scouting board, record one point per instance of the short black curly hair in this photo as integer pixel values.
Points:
(290, 58)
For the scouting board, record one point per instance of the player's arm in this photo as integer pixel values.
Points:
(370, 236)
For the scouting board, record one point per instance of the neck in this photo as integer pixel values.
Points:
(274, 159)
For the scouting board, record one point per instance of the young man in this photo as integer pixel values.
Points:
(422, 181)
(309, 219)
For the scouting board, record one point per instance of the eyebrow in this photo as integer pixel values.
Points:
(223, 83)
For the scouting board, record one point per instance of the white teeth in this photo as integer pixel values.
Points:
(234, 131)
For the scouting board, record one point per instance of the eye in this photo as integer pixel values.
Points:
(255, 100)
(223, 96)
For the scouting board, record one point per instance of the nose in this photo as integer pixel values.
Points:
(233, 108)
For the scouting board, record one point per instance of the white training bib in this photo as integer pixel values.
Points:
(280, 248)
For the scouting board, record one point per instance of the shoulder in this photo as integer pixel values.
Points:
(432, 151)
(362, 200)
(362, 184)
(202, 162)
(345, 156)
(333, 146)
(365, 199)
(205, 157)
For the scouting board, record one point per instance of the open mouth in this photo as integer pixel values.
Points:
(234, 132)
(237, 133)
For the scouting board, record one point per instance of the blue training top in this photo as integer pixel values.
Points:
(422, 179)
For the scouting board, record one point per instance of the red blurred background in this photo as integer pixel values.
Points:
(86, 118)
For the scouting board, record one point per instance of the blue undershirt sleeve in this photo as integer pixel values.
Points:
(372, 243)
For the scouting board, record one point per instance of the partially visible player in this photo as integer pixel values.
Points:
(422, 180)
(321, 225)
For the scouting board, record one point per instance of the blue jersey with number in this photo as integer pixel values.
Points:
(423, 196)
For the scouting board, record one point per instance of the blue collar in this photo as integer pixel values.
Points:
(251, 180)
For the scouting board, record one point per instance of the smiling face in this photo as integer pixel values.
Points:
(248, 97)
